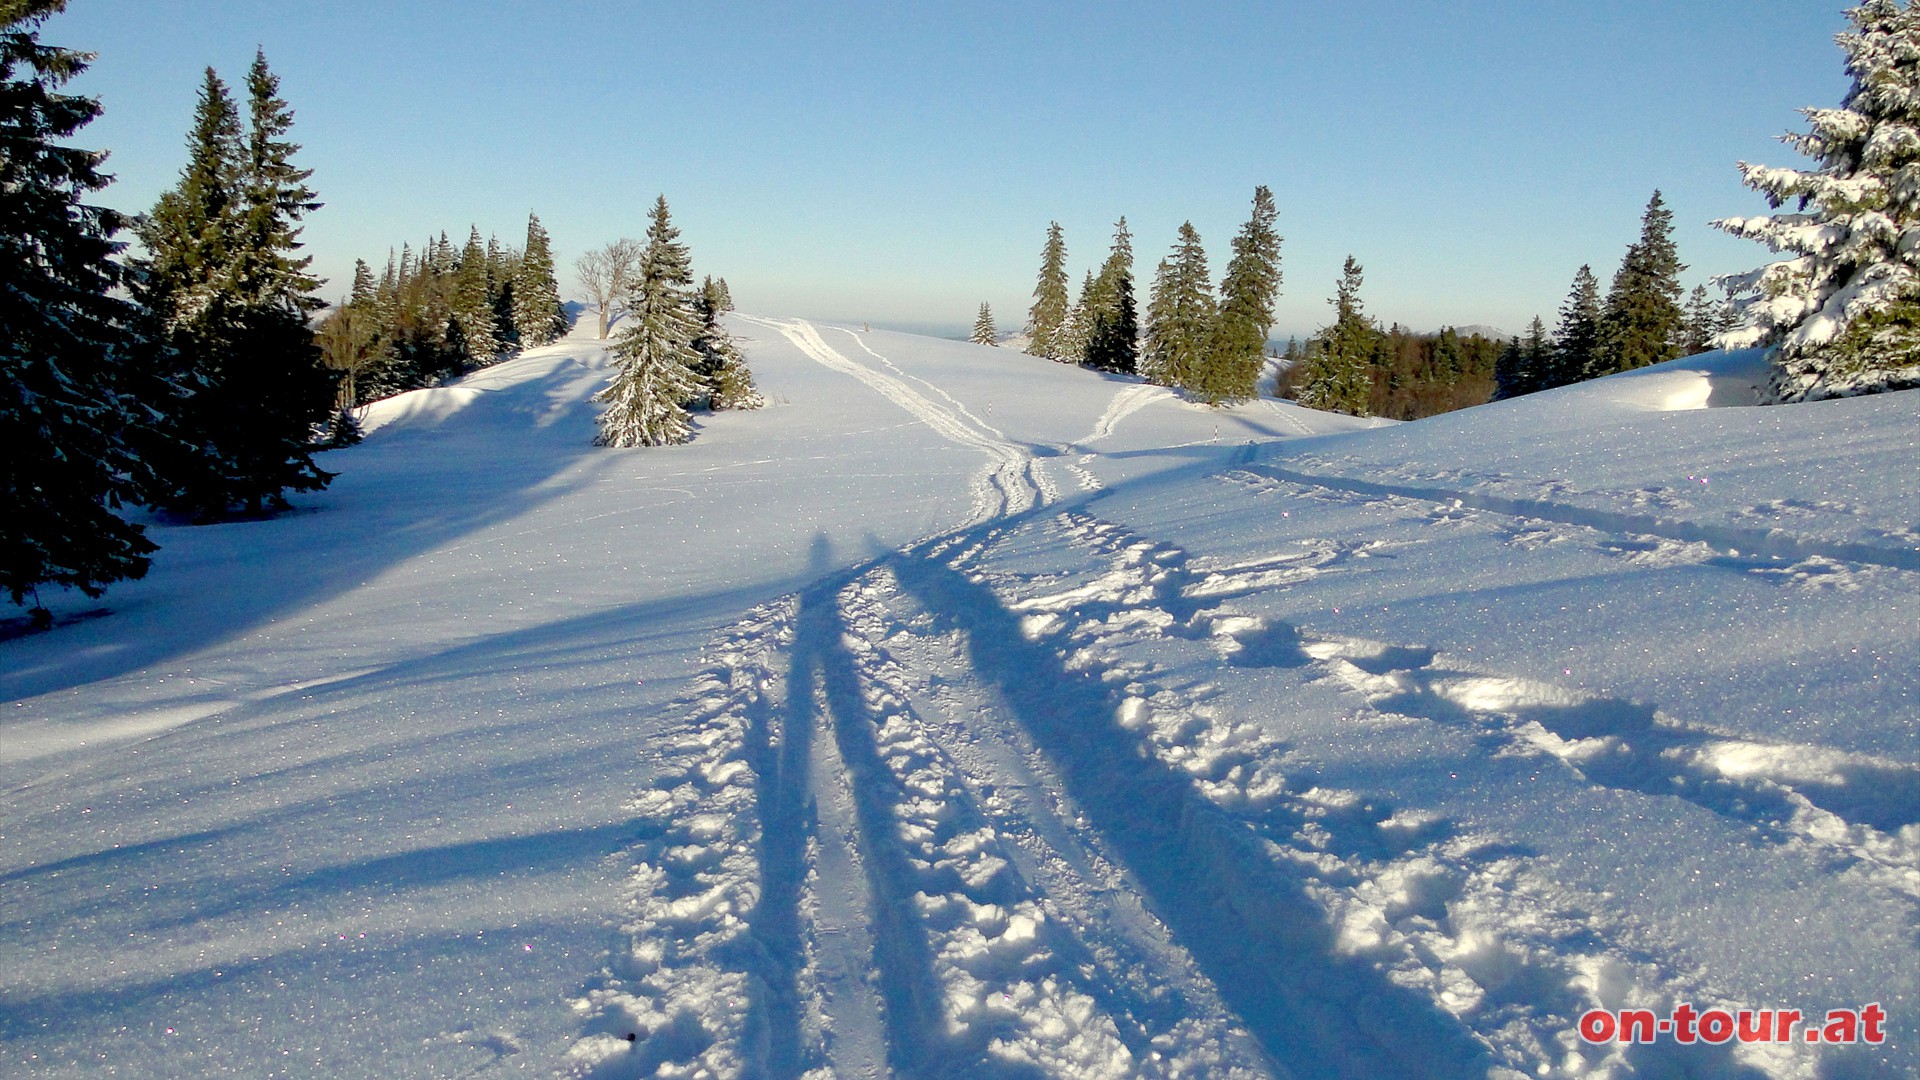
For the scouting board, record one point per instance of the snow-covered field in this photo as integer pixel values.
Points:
(963, 714)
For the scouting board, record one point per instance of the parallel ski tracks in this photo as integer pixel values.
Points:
(932, 819)
(1010, 482)
(929, 818)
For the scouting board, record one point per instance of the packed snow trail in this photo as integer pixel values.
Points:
(1009, 484)
(874, 843)
(1010, 753)
(1251, 931)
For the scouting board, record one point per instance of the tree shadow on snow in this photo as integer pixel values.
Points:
(436, 474)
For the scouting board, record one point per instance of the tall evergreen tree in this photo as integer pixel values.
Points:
(1113, 334)
(1642, 322)
(1180, 315)
(1048, 316)
(1537, 348)
(1576, 340)
(1070, 345)
(64, 336)
(1336, 375)
(503, 267)
(277, 389)
(1447, 362)
(1247, 297)
(473, 306)
(654, 357)
(723, 370)
(272, 273)
(537, 313)
(229, 297)
(1841, 314)
(192, 231)
(439, 257)
(1510, 377)
(984, 332)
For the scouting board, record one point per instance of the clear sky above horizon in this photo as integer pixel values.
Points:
(899, 163)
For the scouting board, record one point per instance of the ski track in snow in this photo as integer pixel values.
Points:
(1010, 483)
(1668, 522)
(941, 818)
(928, 842)
(1461, 916)
(1856, 809)
(956, 403)
(685, 986)
(1124, 404)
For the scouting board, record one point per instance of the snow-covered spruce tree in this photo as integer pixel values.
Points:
(1050, 304)
(1180, 315)
(1841, 314)
(1071, 342)
(473, 303)
(275, 197)
(1336, 375)
(1642, 321)
(984, 332)
(228, 298)
(189, 235)
(537, 313)
(63, 336)
(278, 387)
(503, 268)
(723, 372)
(1247, 297)
(1576, 340)
(654, 356)
(1113, 334)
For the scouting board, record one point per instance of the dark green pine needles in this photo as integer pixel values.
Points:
(64, 337)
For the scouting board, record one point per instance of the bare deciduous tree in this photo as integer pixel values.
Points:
(607, 274)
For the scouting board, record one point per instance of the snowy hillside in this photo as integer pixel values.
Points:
(963, 714)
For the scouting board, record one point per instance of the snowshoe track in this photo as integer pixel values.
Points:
(936, 817)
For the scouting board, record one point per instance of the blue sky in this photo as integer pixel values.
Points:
(899, 163)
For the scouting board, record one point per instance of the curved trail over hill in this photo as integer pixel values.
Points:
(1125, 403)
(1010, 483)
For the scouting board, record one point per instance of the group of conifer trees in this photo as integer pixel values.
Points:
(440, 314)
(1211, 346)
(187, 379)
(233, 389)
(1353, 366)
(673, 355)
(1642, 321)
(191, 379)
